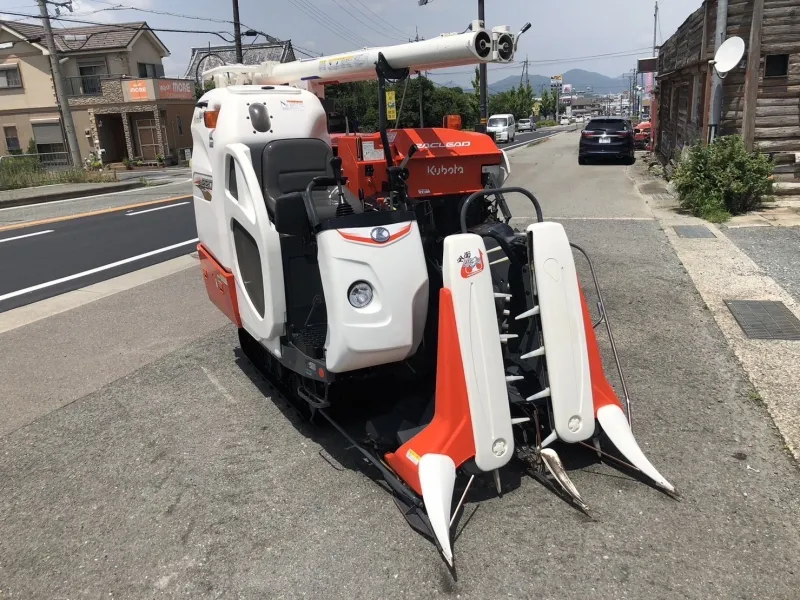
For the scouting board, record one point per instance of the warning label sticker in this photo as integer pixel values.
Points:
(342, 62)
(292, 105)
(412, 456)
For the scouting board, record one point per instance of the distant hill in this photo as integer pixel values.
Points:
(580, 80)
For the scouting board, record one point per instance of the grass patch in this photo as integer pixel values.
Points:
(29, 172)
(722, 179)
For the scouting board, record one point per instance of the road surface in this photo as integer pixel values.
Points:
(56, 256)
(141, 455)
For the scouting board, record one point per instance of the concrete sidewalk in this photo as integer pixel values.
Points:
(750, 258)
(62, 191)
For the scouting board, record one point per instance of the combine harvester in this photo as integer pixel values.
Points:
(384, 290)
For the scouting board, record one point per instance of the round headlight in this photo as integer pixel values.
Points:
(360, 294)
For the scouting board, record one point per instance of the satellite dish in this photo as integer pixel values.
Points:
(729, 55)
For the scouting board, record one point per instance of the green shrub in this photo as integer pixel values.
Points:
(722, 179)
(546, 123)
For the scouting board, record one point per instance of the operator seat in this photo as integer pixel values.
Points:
(289, 165)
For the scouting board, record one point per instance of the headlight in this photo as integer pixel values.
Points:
(360, 294)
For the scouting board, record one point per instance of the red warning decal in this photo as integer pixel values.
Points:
(471, 264)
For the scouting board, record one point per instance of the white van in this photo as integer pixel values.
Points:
(502, 127)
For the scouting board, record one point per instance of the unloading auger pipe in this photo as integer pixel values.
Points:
(446, 50)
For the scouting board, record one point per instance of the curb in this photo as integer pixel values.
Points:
(55, 196)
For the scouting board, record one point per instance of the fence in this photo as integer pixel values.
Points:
(84, 85)
(29, 170)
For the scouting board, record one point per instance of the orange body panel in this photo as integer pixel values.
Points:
(448, 163)
(450, 431)
(220, 285)
(602, 392)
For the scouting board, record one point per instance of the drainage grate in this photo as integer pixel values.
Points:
(762, 320)
(693, 231)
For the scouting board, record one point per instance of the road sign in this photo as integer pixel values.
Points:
(391, 107)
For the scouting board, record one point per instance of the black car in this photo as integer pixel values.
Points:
(607, 137)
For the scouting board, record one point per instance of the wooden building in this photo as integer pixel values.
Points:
(769, 116)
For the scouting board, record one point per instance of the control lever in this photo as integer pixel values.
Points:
(411, 152)
(343, 207)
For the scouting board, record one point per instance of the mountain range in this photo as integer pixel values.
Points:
(580, 80)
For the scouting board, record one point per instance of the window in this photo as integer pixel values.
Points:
(12, 139)
(151, 70)
(776, 65)
(91, 72)
(49, 138)
(9, 77)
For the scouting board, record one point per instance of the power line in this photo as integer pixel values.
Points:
(323, 19)
(389, 23)
(391, 36)
(122, 27)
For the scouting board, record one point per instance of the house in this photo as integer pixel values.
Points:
(121, 103)
(770, 122)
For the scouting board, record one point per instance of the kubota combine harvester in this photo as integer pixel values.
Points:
(385, 291)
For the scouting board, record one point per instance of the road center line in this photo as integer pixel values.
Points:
(141, 212)
(544, 137)
(27, 235)
(102, 211)
(124, 261)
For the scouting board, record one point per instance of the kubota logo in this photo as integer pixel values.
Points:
(425, 146)
(442, 170)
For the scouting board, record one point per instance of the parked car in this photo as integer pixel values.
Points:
(526, 125)
(607, 137)
(564, 121)
(641, 135)
(502, 127)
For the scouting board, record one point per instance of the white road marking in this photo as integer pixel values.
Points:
(544, 137)
(141, 212)
(124, 261)
(139, 189)
(27, 235)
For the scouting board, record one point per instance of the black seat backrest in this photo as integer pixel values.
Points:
(290, 165)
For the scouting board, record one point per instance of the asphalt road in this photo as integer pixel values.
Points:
(163, 465)
(53, 257)
(523, 139)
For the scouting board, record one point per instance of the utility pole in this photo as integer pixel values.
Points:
(237, 32)
(58, 82)
(716, 80)
(655, 26)
(482, 74)
(419, 81)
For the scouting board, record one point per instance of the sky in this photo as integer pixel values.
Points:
(603, 36)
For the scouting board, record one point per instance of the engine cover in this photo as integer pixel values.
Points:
(390, 259)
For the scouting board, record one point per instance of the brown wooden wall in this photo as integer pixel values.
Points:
(778, 106)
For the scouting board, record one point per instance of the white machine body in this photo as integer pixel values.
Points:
(565, 347)
(389, 328)
(467, 275)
